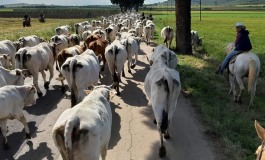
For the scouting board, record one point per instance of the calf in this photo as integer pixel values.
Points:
(116, 56)
(83, 132)
(12, 100)
(37, 59)
(9, 48)
(81, 72)
(162, 86)
(196, 41)
(167, 56)
(167, 34)
(13, 77)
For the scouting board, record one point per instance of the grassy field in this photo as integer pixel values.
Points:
(11, 28)
(229, 124)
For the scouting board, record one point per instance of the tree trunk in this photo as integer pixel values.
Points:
(183, 26)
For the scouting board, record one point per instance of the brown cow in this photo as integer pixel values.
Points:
(98, 46)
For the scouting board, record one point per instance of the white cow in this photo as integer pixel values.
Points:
(167, 33)
(63, 30)
(110, 34)
(162, 86)
(62, 41)
(13, 77)
(83, 132)
(10, 48)
(37, 59)
(147, 34)
(86, 34)
(167, 56)
(116, 56)
(132, 49)
(12, 100)
(101, 33)
(196, 41)
(30, 41)
(81, 72)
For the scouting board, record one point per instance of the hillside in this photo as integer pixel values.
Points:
(222, 2)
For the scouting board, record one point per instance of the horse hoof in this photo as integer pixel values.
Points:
(5, 145)
(46, 85)
(40, 94)
(28, 136)
(162, 151)
(155, 121)
(133, 66)
(167, 136)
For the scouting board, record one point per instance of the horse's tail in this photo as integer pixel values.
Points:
(251, 75)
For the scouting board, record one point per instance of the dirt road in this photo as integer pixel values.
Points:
(134, 135)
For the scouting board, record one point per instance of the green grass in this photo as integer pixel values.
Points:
(230, 124)
(11, 28)
(6, 9)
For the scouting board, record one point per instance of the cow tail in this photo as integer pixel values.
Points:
(115, 52)
(69, 132)
(164, 124)
(72, 82)
(251, 75)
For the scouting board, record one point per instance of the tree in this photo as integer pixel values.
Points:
(183, 26)
(128, 4)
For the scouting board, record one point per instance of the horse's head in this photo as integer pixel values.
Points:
(261, 133)
(230, 47)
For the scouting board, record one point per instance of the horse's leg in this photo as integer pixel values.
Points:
(252, 93)
(241, 86)
(233, 86)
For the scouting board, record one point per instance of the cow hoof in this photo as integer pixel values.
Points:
(46, 85)
(28, 136)
(162, 151)
(130, 71)
(155, 121)
(5, 145)
(133, 66)
(40, 94)
(167, 136)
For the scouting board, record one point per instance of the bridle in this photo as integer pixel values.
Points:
(262, 148)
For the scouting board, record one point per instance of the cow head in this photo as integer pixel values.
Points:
(30, 92)
(20, 78)
(5, 60)
(22, 40)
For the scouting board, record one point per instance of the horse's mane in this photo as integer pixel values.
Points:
(230, 47)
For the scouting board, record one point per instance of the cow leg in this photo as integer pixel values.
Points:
(4, 132)
(167, 134)
(162, 149)
(51, 76)
(242, 88)
(44, 77)
(123, 73)
(104, 62)
(103, 151)
(36, 84)
(129, 64)
(135, 61)
(22, 119)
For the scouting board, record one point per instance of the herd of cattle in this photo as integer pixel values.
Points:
(83, 131)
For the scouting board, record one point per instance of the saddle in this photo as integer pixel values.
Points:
(233, 59)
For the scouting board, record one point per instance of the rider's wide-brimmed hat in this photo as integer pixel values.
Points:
(240, 24)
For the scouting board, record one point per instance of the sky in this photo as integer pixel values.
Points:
(68, 2)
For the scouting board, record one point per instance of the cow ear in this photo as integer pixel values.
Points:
(18, 72)
(5, 56)
(260, 130)
(87, 92)
(160, 82)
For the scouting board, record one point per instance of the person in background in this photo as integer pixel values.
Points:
(242, 44)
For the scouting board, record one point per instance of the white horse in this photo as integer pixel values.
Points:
(247, 64)
(261, 133)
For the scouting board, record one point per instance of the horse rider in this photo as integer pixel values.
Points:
(242, 44)
(26, 16)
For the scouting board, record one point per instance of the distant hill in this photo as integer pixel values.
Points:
(22, 5)
(221, 2)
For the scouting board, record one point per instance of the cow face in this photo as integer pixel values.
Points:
(20, 77)
(30, 99)
(5, 60)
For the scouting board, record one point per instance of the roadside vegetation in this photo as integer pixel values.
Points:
(230, 125)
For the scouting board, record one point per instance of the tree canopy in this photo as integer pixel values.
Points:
(128, 4)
